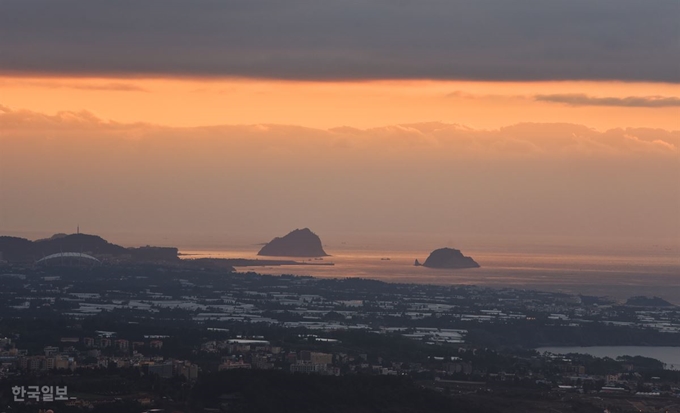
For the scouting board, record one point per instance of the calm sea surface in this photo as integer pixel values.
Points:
(618, 275)
(668, 355)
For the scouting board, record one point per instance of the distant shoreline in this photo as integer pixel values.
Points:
(246, 262)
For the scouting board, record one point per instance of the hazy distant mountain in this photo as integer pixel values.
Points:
(298, 243)
(92, 244)
(22, 250)
(449, 258)
(16, 249)
(55, 236)
(642, 301)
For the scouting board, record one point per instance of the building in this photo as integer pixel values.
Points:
(33, 363)
(187, 370)
(50, 350)
(316, 358)
(102, 342)
(68, 259)
(230, 365)
(122, 344)
(164, 370)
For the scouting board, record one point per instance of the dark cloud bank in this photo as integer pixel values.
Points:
(579, 99)
(353, 39)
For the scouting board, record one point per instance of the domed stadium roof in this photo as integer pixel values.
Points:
(68, 257)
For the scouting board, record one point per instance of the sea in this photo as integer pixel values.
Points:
(617, 271)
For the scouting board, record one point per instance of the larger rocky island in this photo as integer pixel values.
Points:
(298, 243)
(448, 258)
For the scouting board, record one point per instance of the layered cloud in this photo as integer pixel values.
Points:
(545, 179)
(580, 99)
(356, 39)
(434, 140)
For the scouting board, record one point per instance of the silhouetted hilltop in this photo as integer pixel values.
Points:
(16, 249)
(449, 258)
(91, 244)
(642, 301)
(55, 236)
(298, 243)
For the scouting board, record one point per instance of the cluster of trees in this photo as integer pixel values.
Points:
(280, 392)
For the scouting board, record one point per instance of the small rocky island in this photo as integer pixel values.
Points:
(298, 243)
(448, 258)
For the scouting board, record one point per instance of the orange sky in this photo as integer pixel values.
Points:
(188, 102)
(497, 179)
(568, 124)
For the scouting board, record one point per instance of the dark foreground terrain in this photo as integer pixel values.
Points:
(202, 338)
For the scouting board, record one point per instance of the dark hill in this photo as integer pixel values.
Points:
(16, 249)
(449, 258)
(22, 250)
(642, 301)
(298, 243)
(90, 244)
(55, 236)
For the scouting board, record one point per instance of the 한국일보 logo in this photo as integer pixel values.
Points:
(40, 393)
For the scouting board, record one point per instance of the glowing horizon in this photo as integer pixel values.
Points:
(549, 118)
(366, 104)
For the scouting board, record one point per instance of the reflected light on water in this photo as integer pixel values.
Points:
(619, 276)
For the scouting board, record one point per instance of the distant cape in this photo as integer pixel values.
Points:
(14, 249)
(448, 258)
(298, 243)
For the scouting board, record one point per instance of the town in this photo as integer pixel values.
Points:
(136, 337)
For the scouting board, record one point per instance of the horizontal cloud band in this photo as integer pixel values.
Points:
(630, 101)
(547, 179)
(628, 40)
(285, 142)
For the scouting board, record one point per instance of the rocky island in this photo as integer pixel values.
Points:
(298, 243)
(448, 258)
